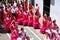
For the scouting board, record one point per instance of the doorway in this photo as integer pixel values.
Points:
(46, 7)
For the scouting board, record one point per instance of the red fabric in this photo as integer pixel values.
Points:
(25, 18)
(5, 14)
(45, 23)
(36, 23)
(50, 36)
(7, 20)
(13, 26)
(49, 24)
(38, 13)
(44, 27)
(14, 35)
(54, 26)
(7, 24)
(19, 17)
(30, 20)
(30, 7)
(25, 3)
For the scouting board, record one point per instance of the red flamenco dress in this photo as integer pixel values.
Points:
(14, 25)
(30, 20)
(44, 27)
(19, 17)
(36, 23)
(25, 18)
(7, 22)
(14, 35)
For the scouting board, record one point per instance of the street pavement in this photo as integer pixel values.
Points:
(34, 34)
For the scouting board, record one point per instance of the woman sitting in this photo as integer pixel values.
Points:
(30, 19)
(36, 23)
(7, 22)
(45, 23)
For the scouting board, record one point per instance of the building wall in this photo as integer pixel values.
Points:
(55, 10)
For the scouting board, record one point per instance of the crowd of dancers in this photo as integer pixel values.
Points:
(50, 28)
(17, 14)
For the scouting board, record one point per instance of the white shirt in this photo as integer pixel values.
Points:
(49, 31)
(57, 33)
(15, 4)
(13, 10)
(19, 38)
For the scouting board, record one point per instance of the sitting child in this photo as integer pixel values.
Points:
(49, 33)
(20, 37)
(54, 25)
(23, 34)
(57, 33)
(44, 26)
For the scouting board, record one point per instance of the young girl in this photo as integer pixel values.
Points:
(19, 16)
(23, 34)
(49, 34)
(54, 25)
(14, 24)
(36, 23)
(30, 19)
(45, 22)
(57, 34)
(25, 18)
(7, 22)
(14, 29)
(30, 7)
(25, 5)
(37, 13)
(49, 23)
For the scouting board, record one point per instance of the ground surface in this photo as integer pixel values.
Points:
(34, 34)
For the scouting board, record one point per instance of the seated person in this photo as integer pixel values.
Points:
(57, 33)
(54, 25)
(49, 34)
(20, 37)
(44, 26)
(23, 34)
(30, 19)
(36, 23)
